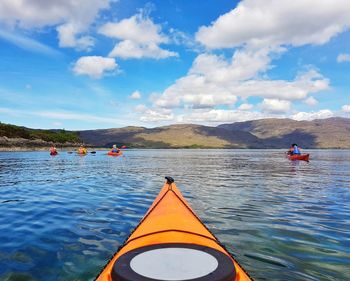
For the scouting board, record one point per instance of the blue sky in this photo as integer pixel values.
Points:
(88, 64)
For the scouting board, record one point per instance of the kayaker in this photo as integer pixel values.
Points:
(82, 150)
(294, 149)
(115, 149)
(53, 150)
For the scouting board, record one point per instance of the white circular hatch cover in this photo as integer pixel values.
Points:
(174, 264)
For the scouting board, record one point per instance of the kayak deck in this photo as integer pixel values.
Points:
(110, 153)
(304, 157)
(171, 243)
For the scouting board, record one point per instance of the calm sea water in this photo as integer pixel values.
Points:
(61, 218)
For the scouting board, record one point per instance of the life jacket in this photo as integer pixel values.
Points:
(296, 150)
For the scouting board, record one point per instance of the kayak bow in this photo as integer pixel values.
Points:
(171, 243)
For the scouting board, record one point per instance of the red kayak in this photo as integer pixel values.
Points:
(110, 153)
(53, 153)
(303, 157)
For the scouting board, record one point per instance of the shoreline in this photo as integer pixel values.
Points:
(91, 148)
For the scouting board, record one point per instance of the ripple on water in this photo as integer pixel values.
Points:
(63, 217)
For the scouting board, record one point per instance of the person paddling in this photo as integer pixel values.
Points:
(294, 149)
(115, 149)
(82, 150)
(53, 150)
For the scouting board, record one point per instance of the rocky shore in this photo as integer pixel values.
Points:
(21, 144)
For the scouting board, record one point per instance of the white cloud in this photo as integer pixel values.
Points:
(140, 38)
(213, 80)
(135, 95)
(346, 108)
(245, 107)
(277, 22)
(311, 101)
(140, 108)
(27, 43)
(68, 37)
(130, 50)
(70, 17)
(219, 116)
(275, 105)
(322, 114)
(244, 64)
(61, 115)
(156, 115)
(94, 66)
(195, 91)
(137, 29)
(343, 58)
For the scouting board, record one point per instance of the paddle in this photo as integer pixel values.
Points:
(93, 152)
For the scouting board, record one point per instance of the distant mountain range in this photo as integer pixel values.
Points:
(264, 133)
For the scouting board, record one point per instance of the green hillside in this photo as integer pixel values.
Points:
(56, 136)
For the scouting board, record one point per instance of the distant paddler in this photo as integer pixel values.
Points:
(82, 150)
(115, 151)
(53, 150)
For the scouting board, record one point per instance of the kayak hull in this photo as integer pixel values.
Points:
(303, 157)
(110, 153)
(170, 226)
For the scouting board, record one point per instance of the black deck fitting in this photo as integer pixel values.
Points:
(169, 180)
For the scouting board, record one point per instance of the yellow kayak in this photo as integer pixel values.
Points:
(171, 243)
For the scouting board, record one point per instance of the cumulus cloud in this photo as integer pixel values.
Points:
(322, 114)
(139, 37)
(72, 18)
(259, 34)
(135, 95)
(156, 115)
(219, 116)
(67, 34)
(245, 106)
(277, 22)
(214, 81)
(311, 101)
(346, 108)
(94, 66)
(343, 58)
(275, 105)
(128, 49)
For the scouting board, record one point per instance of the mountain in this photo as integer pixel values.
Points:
(264, 133)
(174, 136)
(320, 133)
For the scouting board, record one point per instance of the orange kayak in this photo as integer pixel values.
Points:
(304, 157)
(171, 243)
(110, 153)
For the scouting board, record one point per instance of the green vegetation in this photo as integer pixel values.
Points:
(12, 131)
(57, 136)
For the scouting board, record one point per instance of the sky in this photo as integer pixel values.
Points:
(90, 64)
